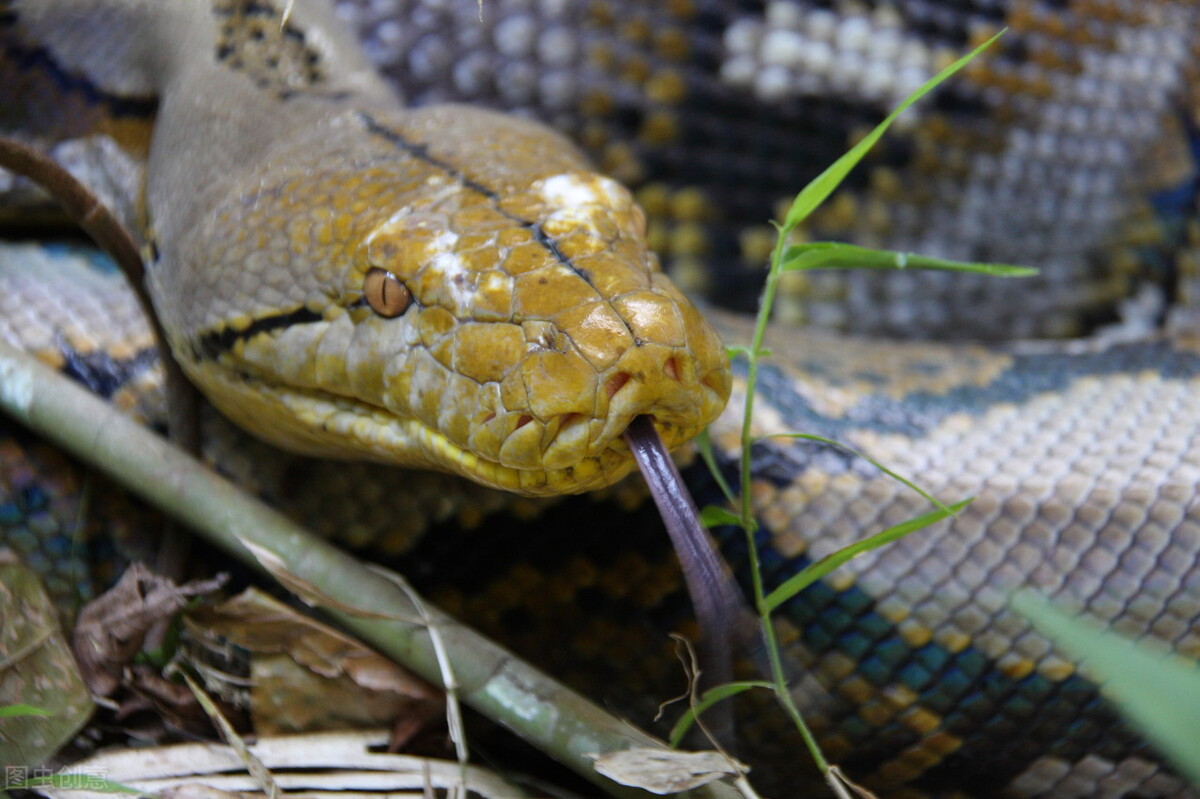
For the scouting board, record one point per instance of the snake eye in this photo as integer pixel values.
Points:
(384, 292)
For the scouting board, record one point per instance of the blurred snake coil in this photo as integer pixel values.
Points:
(1071, 146)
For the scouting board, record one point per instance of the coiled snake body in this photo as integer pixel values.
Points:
(1082, 457)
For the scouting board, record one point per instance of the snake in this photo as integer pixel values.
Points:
(442, 286)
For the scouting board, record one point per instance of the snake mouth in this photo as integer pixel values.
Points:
(573, 450)
(583, 453)
(592, 471)
(316, 423)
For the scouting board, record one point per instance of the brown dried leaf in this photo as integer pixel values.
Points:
(112, 627)
(172, 704)
(36, 668)
(307, 676)
(660, 771)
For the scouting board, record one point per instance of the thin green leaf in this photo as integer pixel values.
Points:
(835, 255)
(937, 503)
(716, 516)
(78, 782)
(823, 185)
(705, 448)
(707, 700)
(12, 711)
(734, 351)
(1158, 692)
(815, 571)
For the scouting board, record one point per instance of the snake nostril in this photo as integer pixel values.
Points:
(524, 420)
(671, 368)
(615, 383)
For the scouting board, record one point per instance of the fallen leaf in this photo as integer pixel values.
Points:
(305, 675)
(170, 702)
(662, 771)
(37, 671)
(112, 627)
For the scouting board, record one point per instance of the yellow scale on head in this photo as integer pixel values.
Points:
(505, 322)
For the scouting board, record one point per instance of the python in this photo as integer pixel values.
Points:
(918, 669)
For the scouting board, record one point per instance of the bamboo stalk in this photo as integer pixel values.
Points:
(495, 682)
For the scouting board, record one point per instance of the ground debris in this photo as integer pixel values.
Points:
(112, 627)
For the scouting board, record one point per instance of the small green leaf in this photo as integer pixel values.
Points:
(823, 185)
(815, 571)
(734, 351)
(839, 445)
(707, 700)
(11, 711)
(1158, 692)
(716, 516)
(705, 448)
(835, 255)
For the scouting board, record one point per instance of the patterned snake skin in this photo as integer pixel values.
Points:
(1069, 149)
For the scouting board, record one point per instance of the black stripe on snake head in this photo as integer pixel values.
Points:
(214, 343)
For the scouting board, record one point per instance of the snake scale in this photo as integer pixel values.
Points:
(1081, 455)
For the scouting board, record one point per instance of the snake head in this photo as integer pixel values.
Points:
(494, 312)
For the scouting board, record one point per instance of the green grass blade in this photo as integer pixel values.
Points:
(12, 711)
(707, 700)
(835, 255)
(734, 351)
(894, 475)
(716, 516)
(815, 571)
(823, 185)
(1158, 692)
(704, 447)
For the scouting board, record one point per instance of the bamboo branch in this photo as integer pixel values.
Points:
(545, 713)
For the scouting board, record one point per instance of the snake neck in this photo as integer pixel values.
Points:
(233, 79)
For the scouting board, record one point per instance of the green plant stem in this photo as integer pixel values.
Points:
(760, 333)
(810, 256)
(784, 695)
(778, 677)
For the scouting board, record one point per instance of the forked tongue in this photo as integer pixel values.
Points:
(719, 606)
